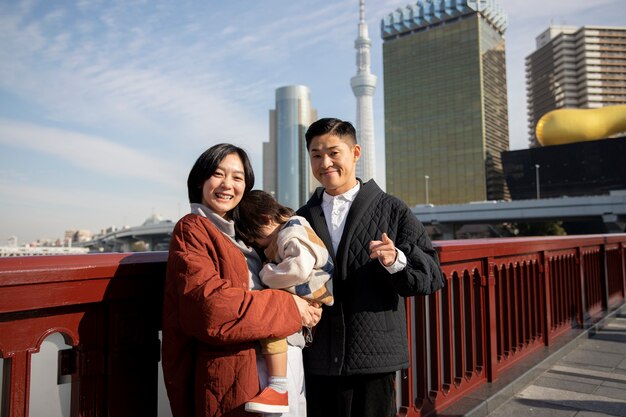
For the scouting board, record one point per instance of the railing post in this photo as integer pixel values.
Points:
(547, 293)
(583, 314)
(404, 399)
(491, 325)
(604, 275)
(622, 260)
(420, 383)
(16, 385)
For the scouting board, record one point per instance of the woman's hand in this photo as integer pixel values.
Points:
(311, 313)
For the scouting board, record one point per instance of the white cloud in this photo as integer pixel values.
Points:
(31, 212)
(550, 9)
(89, 152)
(153, 83)
(228, 30)
(50, 197)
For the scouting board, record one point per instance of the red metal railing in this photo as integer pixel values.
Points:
(503, 299)
(106, 306)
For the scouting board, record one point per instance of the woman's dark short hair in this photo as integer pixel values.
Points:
(337, 127)
(207, 163)
(255, 210)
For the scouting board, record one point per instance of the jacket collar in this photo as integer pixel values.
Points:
(225, 226)
(349, 195)
(360, 204)
(366, 193)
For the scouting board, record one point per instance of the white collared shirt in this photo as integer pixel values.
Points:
(336, 211)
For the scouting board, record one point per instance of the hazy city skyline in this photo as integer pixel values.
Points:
(104, 108)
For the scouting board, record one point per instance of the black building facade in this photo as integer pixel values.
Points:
(575, 169)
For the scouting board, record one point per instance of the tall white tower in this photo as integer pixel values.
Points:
(363, 85)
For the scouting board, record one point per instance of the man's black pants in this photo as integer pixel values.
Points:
(371, 395)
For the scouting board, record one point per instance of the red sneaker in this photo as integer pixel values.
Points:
(269, 401)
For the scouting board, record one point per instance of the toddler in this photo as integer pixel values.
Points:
(297, 261)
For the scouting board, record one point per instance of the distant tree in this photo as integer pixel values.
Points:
(549, 228)
(139, 246)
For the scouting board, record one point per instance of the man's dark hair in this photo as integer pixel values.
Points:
(337, 127)
(207, 164)
(255, 210)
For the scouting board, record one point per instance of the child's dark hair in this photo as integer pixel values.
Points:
(255, 210)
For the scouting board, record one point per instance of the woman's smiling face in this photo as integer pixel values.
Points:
(223, 190)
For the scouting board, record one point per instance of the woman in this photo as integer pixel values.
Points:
(210, 318)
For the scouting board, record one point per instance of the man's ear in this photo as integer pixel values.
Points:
(357, 152)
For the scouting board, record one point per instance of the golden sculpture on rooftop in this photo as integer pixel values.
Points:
(562, 126)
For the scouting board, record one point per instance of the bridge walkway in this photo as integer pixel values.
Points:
(582, 376)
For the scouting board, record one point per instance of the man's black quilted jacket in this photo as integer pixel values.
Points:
(365, 330)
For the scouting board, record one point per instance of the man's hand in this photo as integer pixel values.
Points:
(384, 250)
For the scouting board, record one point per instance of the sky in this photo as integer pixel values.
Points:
(105, 105)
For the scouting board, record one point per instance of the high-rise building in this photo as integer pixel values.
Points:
(363, 85)
(286, 172)
(446, 114)
(575, 67)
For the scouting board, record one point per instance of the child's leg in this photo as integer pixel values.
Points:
(275, 355)
(274, 398)
(276, 364)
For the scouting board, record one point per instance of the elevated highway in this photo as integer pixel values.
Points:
(151, 236)
(610, 210)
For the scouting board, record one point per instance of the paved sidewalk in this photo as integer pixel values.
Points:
(582, 373)
(588, 381)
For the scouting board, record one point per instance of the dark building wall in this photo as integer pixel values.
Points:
(495, 109)
(575, 169)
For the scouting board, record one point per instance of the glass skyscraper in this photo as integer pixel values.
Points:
(286, 170)
(446, 113)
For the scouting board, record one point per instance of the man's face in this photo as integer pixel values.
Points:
(333, 162)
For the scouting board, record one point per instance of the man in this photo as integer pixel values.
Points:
(381, 253)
